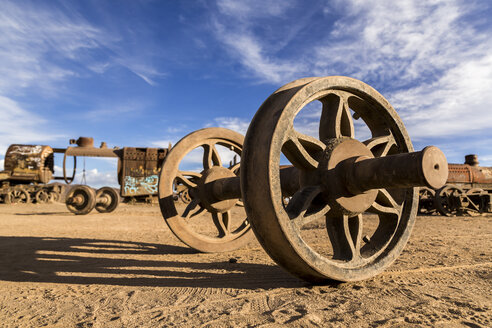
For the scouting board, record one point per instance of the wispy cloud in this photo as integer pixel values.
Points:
(233, 123)
(43, 46)
(31, 37)
(21, 126)
(97, 179)
(235, 25)
(428, 58)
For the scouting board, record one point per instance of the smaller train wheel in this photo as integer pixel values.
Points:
(42, 196)
(205, 224)
(184, 196)
(54, 196)
(426, 201)
(81, 200)
(448, 200)
(18, 196)
(107, 200)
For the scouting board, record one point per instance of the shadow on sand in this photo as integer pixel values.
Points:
(114, 262)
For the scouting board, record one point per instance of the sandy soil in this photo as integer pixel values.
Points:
(126, 269)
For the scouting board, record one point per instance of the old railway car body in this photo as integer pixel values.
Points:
(29, 169)
(468, 191)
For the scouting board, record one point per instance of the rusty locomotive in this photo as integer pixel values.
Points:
(468, 191)
(30, 168)
(27, 171)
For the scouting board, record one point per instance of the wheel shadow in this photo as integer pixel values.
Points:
(114, 262)
(60, 213)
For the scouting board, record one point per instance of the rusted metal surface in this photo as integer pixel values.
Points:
(29, 165)
(230, 228)
(82, 200)
(334, 178)
(28, 169)
(468, 190)
(139, 170)
(32, 163)
(464, 173)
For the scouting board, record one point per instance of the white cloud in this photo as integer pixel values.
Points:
(249, 9)
(235, 27)
(39, 43)
(254, 55)
(426, 57)
(163, 143)
(43, 45)
(97, 179)
(19, 126)
(457, 104)
(30, 36)
(232, 123)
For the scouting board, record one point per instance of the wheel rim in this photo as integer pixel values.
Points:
(476, 203)
(88, 200)
(19, 197)
(221, 230)
(426, 201)
(448, 200)
(352, 258)
(112, 197)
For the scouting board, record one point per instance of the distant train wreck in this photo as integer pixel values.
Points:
(468, 191)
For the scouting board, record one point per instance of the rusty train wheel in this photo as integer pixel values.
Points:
(18, 196)
(226, 227)
(81, 200)
(42, 196)
(110, 197)
(272, 136)
(183, 193)
(449, 200)
(426, 201)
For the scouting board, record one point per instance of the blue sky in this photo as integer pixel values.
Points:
(146, 73)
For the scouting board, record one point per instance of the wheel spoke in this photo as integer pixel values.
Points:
(235, 168)
(302, 150)
(221, 221)
(191, 206)
(210, 156)
(336, 121)
(385, 204)
(345, 234)
(381, 145)
(181, 176)
(472, 203)
(301, 209)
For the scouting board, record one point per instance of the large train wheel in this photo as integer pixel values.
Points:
(349, 254)
(81, 200)
(448, 200)
(226, 226)
(107, 200)
(18, 196)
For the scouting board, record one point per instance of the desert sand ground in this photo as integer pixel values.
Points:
(126, 269)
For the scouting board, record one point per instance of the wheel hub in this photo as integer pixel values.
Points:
(206, 192)
(335, 171)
